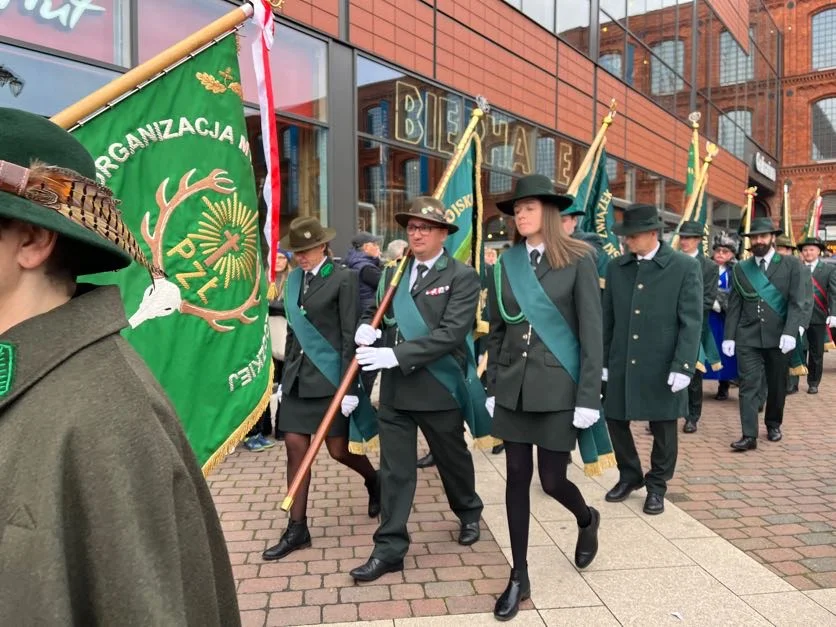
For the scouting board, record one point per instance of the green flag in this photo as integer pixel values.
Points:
(701, 207)
(598, 218)
(460, 200)
(176, 153)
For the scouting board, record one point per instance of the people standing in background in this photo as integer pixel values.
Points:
(823, 315)
(396, 250)
(725, 256)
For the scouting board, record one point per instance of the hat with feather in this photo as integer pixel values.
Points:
(47, 178)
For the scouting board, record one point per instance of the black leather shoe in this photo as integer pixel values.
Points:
(375, 569)
(587, 547)
(469, 533)
(812, 389)
(517, 590)
(722, 395)
(745, 444)
(622, 490)
(792, 390)
(654, 504)
(773, 434)
(690, 427)
(426, 461)
(295, 537)
(496, 450)
(374, 496)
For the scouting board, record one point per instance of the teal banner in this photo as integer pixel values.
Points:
(599, 215)
(460, 200)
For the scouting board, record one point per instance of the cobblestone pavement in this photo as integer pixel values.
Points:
(778, 503)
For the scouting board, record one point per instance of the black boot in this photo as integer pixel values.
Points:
(517, 590)
(295, 537)
(374, 495)
(426, 461)
(587, 547)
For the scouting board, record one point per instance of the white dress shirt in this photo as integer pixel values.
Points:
(768, 256)
(413, 274)
(649, 255)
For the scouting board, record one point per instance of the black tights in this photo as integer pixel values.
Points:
(297, 445)
(519, 464)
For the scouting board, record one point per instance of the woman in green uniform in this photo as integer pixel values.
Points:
(545, 356)
(320, 303)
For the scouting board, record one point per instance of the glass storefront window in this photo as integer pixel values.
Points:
(573, 23)
(90, 28)
(667, 66)
(44, 84)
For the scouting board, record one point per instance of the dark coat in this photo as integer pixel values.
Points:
(108, 520)
(368, 271)
(450, 313)
(710, 279)
(751, 322)
(825, 274)
(520, 365)
(652, 327)
(331, 306)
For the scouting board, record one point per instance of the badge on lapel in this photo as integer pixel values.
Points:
(7, 367)
(438, 290)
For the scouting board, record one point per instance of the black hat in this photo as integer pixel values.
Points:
(306, 232)
(691, 228)
(426, 208)
(761, 226)
(364, 237)
(812, 241)
(638, 219)
(535, 186)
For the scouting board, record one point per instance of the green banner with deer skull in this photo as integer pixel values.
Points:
(176, 154)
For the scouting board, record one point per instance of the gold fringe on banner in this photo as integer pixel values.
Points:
(482, 326)
(829, 346)
(362, 448)
(596, 468)
(272, 292)
(799, 371)
(484, 443)
(716, 367)
(241, 432)
(700, 367)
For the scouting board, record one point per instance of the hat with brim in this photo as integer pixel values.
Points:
(34, 152)
(638, 219)
(691, 228)
(785, 241)
(540, 187)
(812, 241)
(428, 209)
(306, 232)
(762, 226)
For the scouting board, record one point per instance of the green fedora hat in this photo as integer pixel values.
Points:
(47, 178)
(638, 218)
(306, 232)
(785, 241)
(812, 241)
(428, 209)
(536, 186)
(691, 228)
(761, 226)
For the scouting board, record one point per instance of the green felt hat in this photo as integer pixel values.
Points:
(785, 241)
(537, 186)
(638, 218)
(306, 232)
(429, 209)
(691, 228)
(812, 241)
(47, 178)
(760, 226)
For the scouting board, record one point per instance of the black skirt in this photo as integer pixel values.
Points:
(304, 415)
(552, 430)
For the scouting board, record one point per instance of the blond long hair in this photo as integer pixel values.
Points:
(561, 249)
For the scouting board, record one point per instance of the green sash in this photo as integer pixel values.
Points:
(761, 284)
(466, 388)
(326, 359)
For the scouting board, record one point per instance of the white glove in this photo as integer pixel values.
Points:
(728, 348)
(376, 358)
(786, 344)
(279, 393)
(831, 321)
(801, 331)
(366, 335)
(716, 306)
(349, 404)
(677, 381)
(585, 417)
(605, 374)
(490, 404)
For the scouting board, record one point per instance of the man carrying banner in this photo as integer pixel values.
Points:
(823, 317)
(112, 520)
(425, 354)
(725, 256)
(691, 235)
(652, 329)
(766, 311)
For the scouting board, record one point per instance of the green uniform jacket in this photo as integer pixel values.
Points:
(751, 322)
(710, 281)
(520, 365)
(652, 327)
(447, 298)
(331, 306)
(105, 517)
(825, 274)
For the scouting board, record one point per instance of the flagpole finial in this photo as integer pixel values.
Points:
(276, 4)
(711, 151)
(482, 104)
(694, 119)
(787, 183)
(611, 113)
(752, 191)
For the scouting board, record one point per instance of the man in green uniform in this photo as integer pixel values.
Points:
(690, 238)
(766, 312)
(424, 357)
(823, 315)
(652, 328)
(111, 521)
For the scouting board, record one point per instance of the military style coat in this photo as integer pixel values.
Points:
(108, 520)
(331, 306)
(751, 322)
(520, 365)
(447, 298)
(652, 327)
(825, 275)
(710, 281)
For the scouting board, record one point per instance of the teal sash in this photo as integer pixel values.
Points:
(466, 388)
(767, 292)
(539, 310)
(325, 358)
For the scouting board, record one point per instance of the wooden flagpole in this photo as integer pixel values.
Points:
(711, 151)
(590, 156)
(750, 192)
